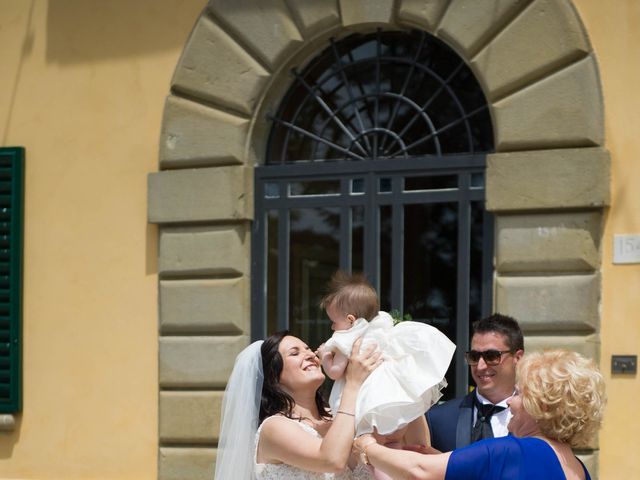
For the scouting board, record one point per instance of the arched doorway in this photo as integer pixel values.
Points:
(546, 182)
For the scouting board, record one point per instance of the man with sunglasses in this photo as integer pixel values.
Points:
(496, 347)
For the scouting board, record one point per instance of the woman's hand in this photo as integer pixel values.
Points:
(362, 363)
(360, 446)
(363, 441)
(405, 464)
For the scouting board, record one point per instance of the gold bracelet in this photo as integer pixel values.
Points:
(345, 413)
(363, 455)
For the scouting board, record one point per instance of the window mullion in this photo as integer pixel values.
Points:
(397, 248)
(284, 236)
(487, 263)
(372, 232)
(345, 227)
(259, 269)
(463, 272)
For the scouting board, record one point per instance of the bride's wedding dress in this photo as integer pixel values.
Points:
(282, 471)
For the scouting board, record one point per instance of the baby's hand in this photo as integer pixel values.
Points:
(326, 355)
(320, 351)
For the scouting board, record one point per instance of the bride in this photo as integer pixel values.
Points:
(275, 424)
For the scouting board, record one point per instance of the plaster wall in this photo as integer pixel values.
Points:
(82, 88)
(614, 33)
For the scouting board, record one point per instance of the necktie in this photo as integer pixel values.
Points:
(482, 428)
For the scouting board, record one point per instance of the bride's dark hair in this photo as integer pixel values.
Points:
(275, 400)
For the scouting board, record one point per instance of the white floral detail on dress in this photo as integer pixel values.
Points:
(282, 471)
(409, 381)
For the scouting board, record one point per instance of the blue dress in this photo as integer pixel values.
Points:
(506, 458)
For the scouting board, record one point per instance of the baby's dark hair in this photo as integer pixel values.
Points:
(352, 294)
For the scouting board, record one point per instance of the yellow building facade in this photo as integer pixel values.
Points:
(89, 89)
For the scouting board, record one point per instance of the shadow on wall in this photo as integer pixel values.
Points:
(84, 30)
(10, 439)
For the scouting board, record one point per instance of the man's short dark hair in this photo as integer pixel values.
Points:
(503, 324)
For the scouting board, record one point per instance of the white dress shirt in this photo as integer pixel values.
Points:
(500, 420)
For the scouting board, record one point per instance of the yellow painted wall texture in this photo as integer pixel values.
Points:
(614, 29)
(82, 88)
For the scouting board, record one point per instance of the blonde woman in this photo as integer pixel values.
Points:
(558, 405)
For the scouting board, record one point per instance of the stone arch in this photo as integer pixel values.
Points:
(548, 181)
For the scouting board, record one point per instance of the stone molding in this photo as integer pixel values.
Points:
(198, 361)
(358, 12)
(266, 29)
(215, 68)
(470, 26)
(204, 306)
(314, 17)
(547, 181)
(197, 135)
(512, 59)
(548, 242)
(201, 251)
(587, 345)
(552, 112)
(422, 14)
(559, 179)
(190, 417)
(186, 463)
(553, 304)
(201, 195)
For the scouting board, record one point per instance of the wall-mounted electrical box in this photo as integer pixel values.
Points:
(624, 364)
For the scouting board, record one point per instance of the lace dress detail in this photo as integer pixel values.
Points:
(281, 471)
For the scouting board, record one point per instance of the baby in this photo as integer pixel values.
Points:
(392, 401)
(347, 293)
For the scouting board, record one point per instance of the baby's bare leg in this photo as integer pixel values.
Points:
(417, 432)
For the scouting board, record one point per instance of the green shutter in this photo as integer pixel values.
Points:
(11, 204)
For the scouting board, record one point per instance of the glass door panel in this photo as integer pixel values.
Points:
(272, 271)
(314, 256)
(357, 239)
(430, 264)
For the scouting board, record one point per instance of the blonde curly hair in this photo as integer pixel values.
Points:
(564, 392)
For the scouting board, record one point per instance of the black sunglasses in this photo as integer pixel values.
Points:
(491, 357)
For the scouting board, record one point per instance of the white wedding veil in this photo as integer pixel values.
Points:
(240, 410)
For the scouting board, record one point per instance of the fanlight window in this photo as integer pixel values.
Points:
(386, 95)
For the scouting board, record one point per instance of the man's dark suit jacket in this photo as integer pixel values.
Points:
(450, 423)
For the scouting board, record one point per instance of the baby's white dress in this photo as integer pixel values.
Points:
(409, 381)
(282, 471)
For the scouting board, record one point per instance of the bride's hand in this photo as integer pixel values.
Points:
(362, 363)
